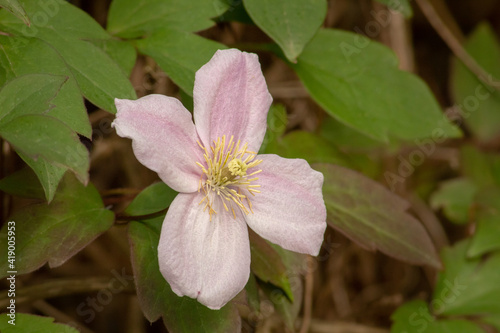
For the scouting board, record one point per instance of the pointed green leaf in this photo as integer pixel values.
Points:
(23, 183)
(295, 264)
(355, 80)
(291, 23)
(414, 317)
(99, 78)
(136, 18)
(48, 174)
(455, 197)
(22, 56)
(29, 94)
(487, 234)
(180, 314)
(479, 104)
(56, 232)
(469, 286)
(34, 94)
(28, 323)
(374, 217)
(179, 54)
(267, 264)
(49, 139)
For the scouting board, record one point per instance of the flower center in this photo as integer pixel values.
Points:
(226, 176)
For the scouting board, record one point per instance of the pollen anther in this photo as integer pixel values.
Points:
(225, 175)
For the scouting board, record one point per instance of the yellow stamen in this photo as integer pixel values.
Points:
(224, 175)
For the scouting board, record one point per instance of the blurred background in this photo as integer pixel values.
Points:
(352, 290)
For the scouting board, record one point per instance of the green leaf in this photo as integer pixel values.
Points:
(179, 54)
(122, 52)
(29, 94)
(346, 138)
(54, 141)
(291, 23)
(295, 264)
(467, 286)
(136, 18)
(374, 217)
(180, 314)
(154, 198)
(28, 323)
(32, 94)
(252, 292)
(455, 197)
(487, 234)
(276, 125)
(267, 264)
(481, 168)
(23, 183)
(309, 146)
(56, 232)
(48, 174)
(15, 8)
(99, 78)
(57, 16)
(414, 317)
(479, 104)
(235, 13)
(22, 56)
(493, 321)
(357, 81)
(402, 6)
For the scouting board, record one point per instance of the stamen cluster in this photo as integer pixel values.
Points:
(225, 175)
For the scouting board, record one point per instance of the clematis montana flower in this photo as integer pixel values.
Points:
(223, 185)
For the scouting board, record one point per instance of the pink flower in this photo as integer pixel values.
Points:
(204, 251)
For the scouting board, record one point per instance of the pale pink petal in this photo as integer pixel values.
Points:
(203, 259)
(289, 210)
(163, 138)
(231, 98)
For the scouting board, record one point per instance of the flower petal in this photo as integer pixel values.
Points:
(231, 98)
(163, 138)
(289, 210)
(203, 259)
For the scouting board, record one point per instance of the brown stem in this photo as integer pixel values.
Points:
(60, 287)
(454, 44)
(120, 191)
(2, 197)
(59, 316)
(308, 295)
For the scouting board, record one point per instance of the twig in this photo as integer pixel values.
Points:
(59, 316)
(120, 191)
(60, 287)
(308, 295)
(454, 44)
